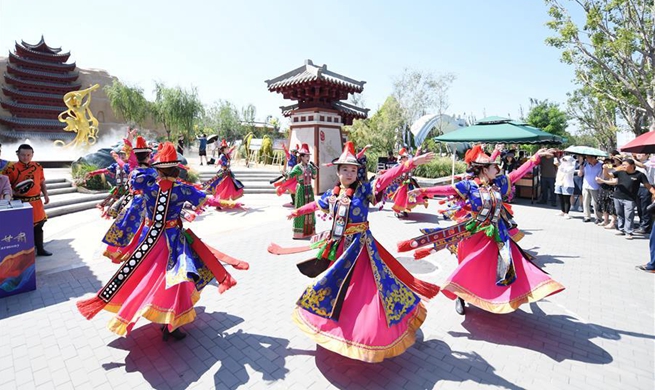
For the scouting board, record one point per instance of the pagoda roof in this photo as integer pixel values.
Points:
(41, 86)
(38, 55)
(310, 73)
(41, 46)
(42, 65)
(11, 104)
(15, 106)
(344, 108)
(32, 123)
(25, 96)
(40, 75)
(37, 133)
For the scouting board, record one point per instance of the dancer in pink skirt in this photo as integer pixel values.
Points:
(165, 272)
(365, 305)
(493, 274)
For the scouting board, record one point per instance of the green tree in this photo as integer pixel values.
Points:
(379, 130)
(613, 53)
(224, 118)
(177, 110)
(128, 102)
(548, 117)
(596, 117)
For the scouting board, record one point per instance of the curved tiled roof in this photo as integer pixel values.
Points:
(309, 73)
(13, 58)
(60, 77)
(32, 122)
(9, 91)
(38, 84)
(41, 46)
(58, 57)
(36, 107)
(350, 109)
(342, 107)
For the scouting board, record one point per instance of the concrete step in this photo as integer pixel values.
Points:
(53, 181)
(73, 208)
(54, 186)
(248, 191)
(61, 191)
(71, 199)
(244, 175)
(257, 184)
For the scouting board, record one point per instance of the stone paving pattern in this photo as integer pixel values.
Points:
(597, 334)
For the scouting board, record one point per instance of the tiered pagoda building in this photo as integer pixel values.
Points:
(319, 114)
(35, 82)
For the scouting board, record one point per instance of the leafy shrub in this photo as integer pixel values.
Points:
(192, 176)
(439, 167)
(96, 183)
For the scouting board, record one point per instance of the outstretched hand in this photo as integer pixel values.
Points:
(424, 158)
(414, 193)
(291, 215)
(544, 152)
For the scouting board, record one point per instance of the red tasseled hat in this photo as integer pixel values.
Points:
(223, 144)
(166, 157)
(304, 149)
(348, 156)
(403, 153)
(141, 145)
(476, 155)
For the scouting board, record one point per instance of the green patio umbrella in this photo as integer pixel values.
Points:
(500, 130)
(586, 150)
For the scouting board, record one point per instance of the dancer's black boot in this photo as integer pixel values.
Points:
(459, 306)
(177, 333)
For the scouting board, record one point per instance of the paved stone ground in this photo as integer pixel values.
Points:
(599, 333)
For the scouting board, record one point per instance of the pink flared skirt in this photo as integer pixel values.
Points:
(225, 190)
(474, 279)
(362, 332)
(401, 200)
(145, 295)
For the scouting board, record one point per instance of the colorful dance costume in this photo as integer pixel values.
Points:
(224, 185)
(165, 273)
(493, 274)
(115, 200)
(303, 225)
(120, 238)
(289, 184)
(366, 306)
(406, 183)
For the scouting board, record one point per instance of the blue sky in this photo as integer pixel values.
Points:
(228, 48)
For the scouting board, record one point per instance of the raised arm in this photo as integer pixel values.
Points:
(287, 155)
(361, 152)
(526, 167)
(306, 209)
(386, 178)
(97, 172)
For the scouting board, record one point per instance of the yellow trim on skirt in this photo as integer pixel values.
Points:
(154, 314)
(363, 352)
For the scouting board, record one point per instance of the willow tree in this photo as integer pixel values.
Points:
(177, 110)
(128, 102)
